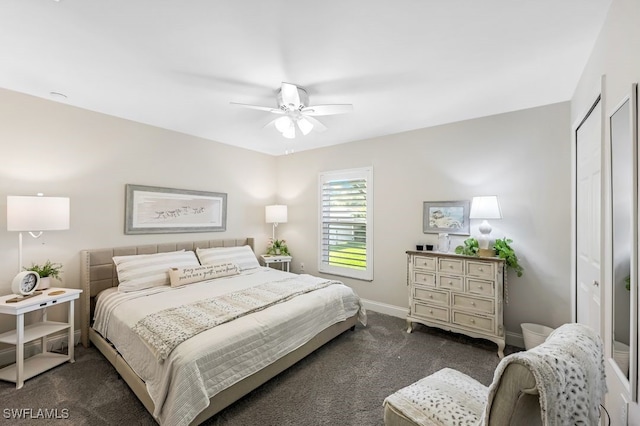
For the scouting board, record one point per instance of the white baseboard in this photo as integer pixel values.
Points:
(513, 339)
(385, 308)
(54, 342)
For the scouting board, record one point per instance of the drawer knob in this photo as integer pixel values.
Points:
(450, 282)
(473, 321)
(480, 287)
(430, 311)
(473, 303)
(480, 269)
(451, 266)
(431, 296)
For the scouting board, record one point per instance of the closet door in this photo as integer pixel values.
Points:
(588, 218)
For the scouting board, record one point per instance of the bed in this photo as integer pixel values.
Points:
(202, 374)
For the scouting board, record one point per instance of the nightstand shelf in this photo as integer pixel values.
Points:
(33, 366)
(24, 369)
(33, 332)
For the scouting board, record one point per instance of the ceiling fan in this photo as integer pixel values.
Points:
(295, 111)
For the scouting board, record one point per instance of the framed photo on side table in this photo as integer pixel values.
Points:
(155, 210)
(451, 217)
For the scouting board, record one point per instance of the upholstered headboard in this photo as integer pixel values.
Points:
(98, 271)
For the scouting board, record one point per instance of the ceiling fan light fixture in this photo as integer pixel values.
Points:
(283, 123)
(290, 133)
(305, 126)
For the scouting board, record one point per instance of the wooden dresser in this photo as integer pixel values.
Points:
(457, 293)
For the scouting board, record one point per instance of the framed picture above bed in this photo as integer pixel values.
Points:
(451, 217)
(156, 210)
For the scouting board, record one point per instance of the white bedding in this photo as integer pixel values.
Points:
(213, 360)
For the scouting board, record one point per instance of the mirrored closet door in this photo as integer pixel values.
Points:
(624, 223)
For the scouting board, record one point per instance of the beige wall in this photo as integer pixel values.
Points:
(65, 151)
(616, 56)
(523, 157)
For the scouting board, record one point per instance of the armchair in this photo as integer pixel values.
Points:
(562, 381)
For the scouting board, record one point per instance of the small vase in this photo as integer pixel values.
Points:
(45, 283)
(277, 252)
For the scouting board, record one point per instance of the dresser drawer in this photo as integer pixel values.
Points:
(423, 278)
(428, 263)
(480, 269)
(468, 303)
(473, 321)
(431, 312)
(451, 266)
(433, 296)
(450, 282)
(480, 287)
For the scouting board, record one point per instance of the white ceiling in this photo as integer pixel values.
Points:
(403, 64)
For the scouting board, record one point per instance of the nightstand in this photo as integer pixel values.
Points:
(283, 261)
(24, 369)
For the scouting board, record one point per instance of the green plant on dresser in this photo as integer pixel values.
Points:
(503, 249)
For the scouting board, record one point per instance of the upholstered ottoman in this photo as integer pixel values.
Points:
(447, 397)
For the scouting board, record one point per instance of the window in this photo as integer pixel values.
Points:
(346, 223)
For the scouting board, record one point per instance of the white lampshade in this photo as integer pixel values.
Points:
(485, 207)
(276, 213)
(25, 213)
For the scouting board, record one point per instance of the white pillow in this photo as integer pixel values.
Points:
(241, 256)
(137, 272)
(192, 274)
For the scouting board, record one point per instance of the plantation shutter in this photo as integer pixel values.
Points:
(345, 223)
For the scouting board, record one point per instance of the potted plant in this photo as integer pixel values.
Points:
(278, 247)
(503, 249)
(46, 271)
(470, 247)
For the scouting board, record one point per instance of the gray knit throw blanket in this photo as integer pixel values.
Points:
(164, 330)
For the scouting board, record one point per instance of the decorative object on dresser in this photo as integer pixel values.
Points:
(275, 214)
(463, 294)
(451, 217)
(156, 210)
(502, 248)
(24, 369)
(35, 215)
(485, 207)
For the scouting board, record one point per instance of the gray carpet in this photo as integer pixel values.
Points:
(343, 383)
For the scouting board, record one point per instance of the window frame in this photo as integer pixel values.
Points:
(365, 173)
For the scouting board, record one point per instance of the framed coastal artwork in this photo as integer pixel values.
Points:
(451, 217)
(157, 210)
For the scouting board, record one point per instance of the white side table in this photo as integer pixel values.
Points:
(26, 369)
(283, 261)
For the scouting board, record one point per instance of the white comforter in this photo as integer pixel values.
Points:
(213, 360)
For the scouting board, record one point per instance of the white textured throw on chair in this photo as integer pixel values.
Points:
(570, 375)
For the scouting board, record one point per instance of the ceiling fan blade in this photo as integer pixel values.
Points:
(305, 125)
(327, 109)
(258, 107)
(290, 95)
(317, 125)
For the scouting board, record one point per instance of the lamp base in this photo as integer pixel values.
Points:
(486, 252)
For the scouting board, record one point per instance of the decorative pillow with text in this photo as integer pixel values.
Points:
(194, 274)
